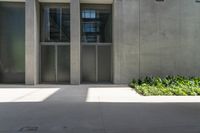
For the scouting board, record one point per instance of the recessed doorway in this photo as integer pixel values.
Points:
(96, 43)
(55, 43)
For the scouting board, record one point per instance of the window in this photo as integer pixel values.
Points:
(89, 14)
(96, 23)
(55, 46)
(55, 23)
(96, 46)
(12, 42)
(90, 27)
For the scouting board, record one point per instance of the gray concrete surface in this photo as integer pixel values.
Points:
(155, 38)
(126, 40)
(67, 111)
(75, 46)
(32, 34)
(149, 39)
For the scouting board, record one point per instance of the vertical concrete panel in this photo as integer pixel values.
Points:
(149, 38)
(75, 41)
(31, 41)
(188, 56)
(196, 57)
(126, 40)
(37, 43)
(129, 47)
(159, 37)
(117, 39)
(169, 36)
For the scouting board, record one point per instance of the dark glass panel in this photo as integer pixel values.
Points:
(88, 14)
(65, 25)
(63, 63)
(48, 73)
(88, 64)
(55, 23)
(12, 42)
(96, 23)
(104, 63)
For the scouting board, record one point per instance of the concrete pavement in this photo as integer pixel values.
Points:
(93, 109)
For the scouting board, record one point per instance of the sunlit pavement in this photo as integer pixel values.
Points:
(94, 109)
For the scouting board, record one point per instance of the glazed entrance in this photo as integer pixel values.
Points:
(96, 43)
(54, 45)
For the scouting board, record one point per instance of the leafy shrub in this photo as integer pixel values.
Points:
(170, 85)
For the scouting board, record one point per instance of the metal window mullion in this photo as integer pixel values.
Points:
(40, 65)
(111, 66)
(49, 24)
(55, 43)
(60, 23)
(56, 62)
(98, 44)
(96, 48)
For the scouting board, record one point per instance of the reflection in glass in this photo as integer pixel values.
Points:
(89, 14)
(63, 64)
(12, 42)
(55, 64)
(55, 55)
(88, 64)
(55, 23)
(96, 23)
(96, 28)
(48, 64)
(104, 63)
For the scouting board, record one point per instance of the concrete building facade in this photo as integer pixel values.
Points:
(97, 41)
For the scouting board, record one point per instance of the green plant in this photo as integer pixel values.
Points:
(169, 85)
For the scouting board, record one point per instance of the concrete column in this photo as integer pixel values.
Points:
(117, 39)
(32, 42)
(75, 42)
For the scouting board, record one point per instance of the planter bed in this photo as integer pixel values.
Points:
(168, 86)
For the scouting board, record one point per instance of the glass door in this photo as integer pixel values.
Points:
(96, 41)
(55, 47)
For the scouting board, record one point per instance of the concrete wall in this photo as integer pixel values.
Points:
(155, 38)
(125, 40)
(75, 42)
(32, 42)
(149, 39)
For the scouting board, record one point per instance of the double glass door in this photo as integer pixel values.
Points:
(96, 43)
(54, 45)
(96, 63)
(55, 67)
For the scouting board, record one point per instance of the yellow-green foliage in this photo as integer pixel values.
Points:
(170, 85)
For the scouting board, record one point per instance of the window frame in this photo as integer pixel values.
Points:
(42, 26)
(97, 7)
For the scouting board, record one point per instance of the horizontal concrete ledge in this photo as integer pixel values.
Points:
(67, 1)
(146, 99)
(12, 0)
(128, 95)
(97, 1)
(50, 1)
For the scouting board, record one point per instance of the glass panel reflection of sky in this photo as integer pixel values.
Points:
(89, 14)
(89, 27)
(96, 24)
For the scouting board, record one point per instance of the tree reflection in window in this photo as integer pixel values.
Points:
(89, 14)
